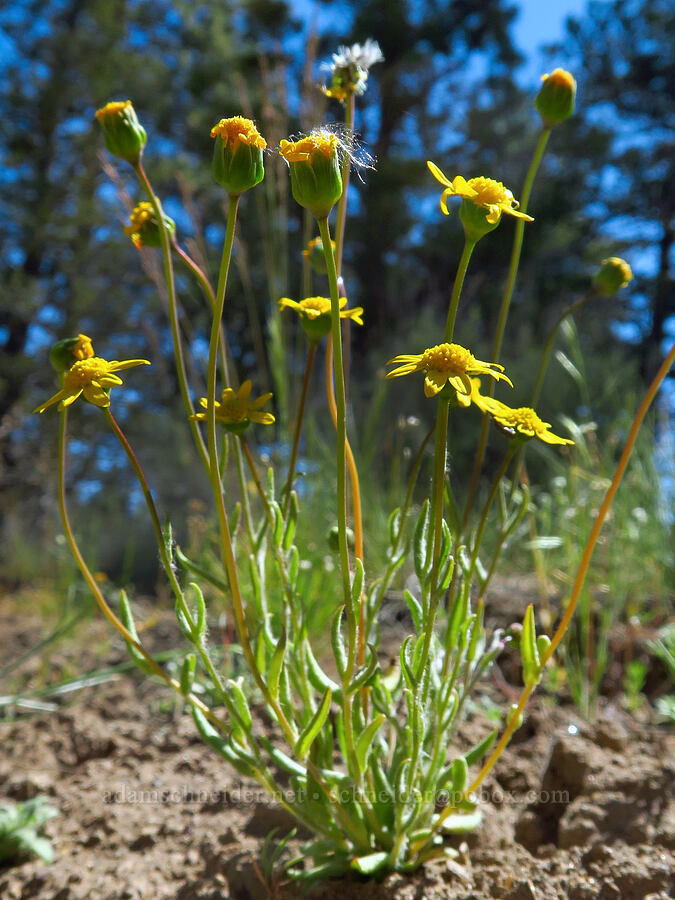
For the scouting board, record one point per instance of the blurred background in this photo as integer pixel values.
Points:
(457, 87)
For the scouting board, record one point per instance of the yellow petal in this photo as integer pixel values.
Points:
(434, 382)
(96, 395)
(438, 175)
(115, 366)
(245, 390)
(60, 395)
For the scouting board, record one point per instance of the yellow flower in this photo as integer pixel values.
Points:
(522, 422)
(314, 314)
(303, 150)
(83, 349)
(475, 398)
(449, 363)
(235, 412)
(143, 229)
(614, 273)
(484, 192)
(92, 377)
(238, 130)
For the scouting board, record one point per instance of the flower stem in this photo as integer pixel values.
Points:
(579, 580)
(96, 591)
(173, 312)
(298, 426)
(519, 233)
(457, 289)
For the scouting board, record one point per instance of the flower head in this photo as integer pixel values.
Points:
(92, 377)
(556, 98)
(485, 193)
(349, 69)
(446, 363)
(614, 273)
(522, 422)
(314, 162)
(124, 135)
(235, 412)
(237, 154)
(69, 350)
(313, 254)
(143, 228)
(314, 314)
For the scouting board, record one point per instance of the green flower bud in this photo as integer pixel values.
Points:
(614, 273)
(316, 180)
(143, 228)
(124, 135)
(237, 155)
(69, 351)
(556, 97)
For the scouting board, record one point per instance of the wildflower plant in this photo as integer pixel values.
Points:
(368, 760)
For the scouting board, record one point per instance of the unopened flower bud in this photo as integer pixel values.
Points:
(614, 273)
(314, 161)
(143, 228)
(556, 97)
(237, 155)
(69, 351)
(124, 135)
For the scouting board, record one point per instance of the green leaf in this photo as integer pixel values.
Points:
(128, 621)
(405, 656)
(459, 776)
(365, 741)
(394, 526)
(421, 548)
(315, 725)
(202, 572)
(479, 751)
(187, 673)
(317, 677)
(200, 625)
(370, 864)
(364, 674)
(276, 664)
(528, 650)
(415, 609)
(240, 704)
(462, 823)
(357, 588)
(339, 651)
(291, 522)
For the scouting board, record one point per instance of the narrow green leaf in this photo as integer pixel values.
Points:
(479, 751)
(128, 621)
(370, 864)
(364, 674)
(313, 728)
(528, 650)
(405, 656)
(202, 572)
(276, 664)
(317, 677)
(415, 609)
(187, 673)
(394, 526)
(421, 549)
(200, 624)
(364, 743)
(240, 704)
(339, 651)
(291, 522)
(357, 588)
(459, 776)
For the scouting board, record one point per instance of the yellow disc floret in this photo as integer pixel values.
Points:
(112, 109)
(238, 130)
(523, 422)
(487, 193)
(301, 151)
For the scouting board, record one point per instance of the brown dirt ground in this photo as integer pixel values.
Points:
(574, 812)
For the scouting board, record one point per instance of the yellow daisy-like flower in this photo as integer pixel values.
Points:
(92, 377)
(522, 422)
(446, 363)
(141, 214)
(485, 192)
(236, 411)
(238, 130)
(314, 314)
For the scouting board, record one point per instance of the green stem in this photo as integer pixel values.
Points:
(457, 289)
(173, 312)
(488, 504)
(548, 347)
(341, 426)
(504, 309)
(298, 426)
